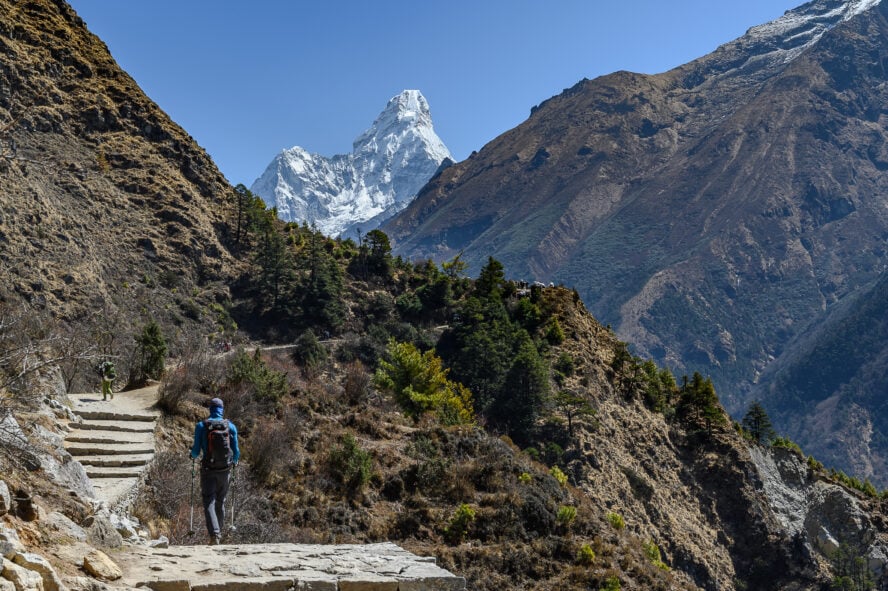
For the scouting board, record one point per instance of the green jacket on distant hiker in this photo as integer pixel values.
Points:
(108, 372)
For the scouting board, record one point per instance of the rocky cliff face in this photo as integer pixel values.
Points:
(710, 213)
(106, 203)
(389, 164)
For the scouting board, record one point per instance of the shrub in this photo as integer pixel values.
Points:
(459, 524)
(566, 515)
(586, 555)
(554, 333)
(351, 464)
(151, 350)
(787, 443)
(616, 520)
(357, 382)
(525, 478)
(533, 452)
(419, 384)
(611, 584)
(558, 475)
(251, 370)
(268, 449)
(309, 351)
(652, 551)
(553, 453)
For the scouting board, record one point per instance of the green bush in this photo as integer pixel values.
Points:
(250, 370)
(616, 520)
(308, 350)
(351, 464)
(566, 515)
(456, 530)
(151, 350)
(652, 551)
(525, 478)
(554, 333)
(787, 443)
(586, 555)
(611, 584)
(419, 384)
(558, 475)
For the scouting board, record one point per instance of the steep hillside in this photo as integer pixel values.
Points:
(108, 207)
(837, 373)
(615, 489)
(710, 213)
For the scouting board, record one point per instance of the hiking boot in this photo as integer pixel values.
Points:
(217, 540)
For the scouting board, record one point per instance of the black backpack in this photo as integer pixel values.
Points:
(219, 454)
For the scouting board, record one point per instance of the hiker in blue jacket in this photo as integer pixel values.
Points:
(215, 442)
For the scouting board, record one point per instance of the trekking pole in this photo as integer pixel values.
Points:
(191, 520)
(232, 527)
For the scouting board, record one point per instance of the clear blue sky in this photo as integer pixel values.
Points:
(249, 78)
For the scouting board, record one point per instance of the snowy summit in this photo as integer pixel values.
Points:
(388, 165)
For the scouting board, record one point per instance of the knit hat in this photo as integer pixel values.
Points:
(216, 403)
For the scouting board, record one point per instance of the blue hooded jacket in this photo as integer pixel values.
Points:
(200, 436)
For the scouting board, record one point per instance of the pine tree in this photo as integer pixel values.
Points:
(489, 284)
(151, 350)
(698, 404)
(757, 423)
(525, 390)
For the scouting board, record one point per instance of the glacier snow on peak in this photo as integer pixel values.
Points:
(390, 162)
(800, 28)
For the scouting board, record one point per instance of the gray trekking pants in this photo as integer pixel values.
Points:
(214, 488)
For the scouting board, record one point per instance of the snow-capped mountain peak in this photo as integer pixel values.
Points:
(800, 28)
(390, 162)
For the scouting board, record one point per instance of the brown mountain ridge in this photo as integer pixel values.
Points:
(106, 203)
(710, 213)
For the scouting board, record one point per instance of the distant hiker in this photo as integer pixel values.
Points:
(107, 372)
(215, 441)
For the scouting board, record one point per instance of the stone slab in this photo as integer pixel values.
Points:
(110, 437)
(113, 472)
(277, 567)
(113, 489)
(108, 415)
(115, 448)
(114, 426)
(116, 461)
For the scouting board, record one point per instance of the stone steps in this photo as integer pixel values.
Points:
(110, 437)
(117, 426)
(114, 440)
(103, 472)
(110, 449)
(115, 460)
(110, 415)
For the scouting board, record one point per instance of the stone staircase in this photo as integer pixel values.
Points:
(115, 439)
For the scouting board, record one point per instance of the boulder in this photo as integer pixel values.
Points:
(98, 565)
(125, 526)
(41, 566)
(102, 533)
(64, 527)
(10, 545)
(22, 578)
(161, 542)
(6, 585)
(8, 550)
(5, 499)
(26, 507)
